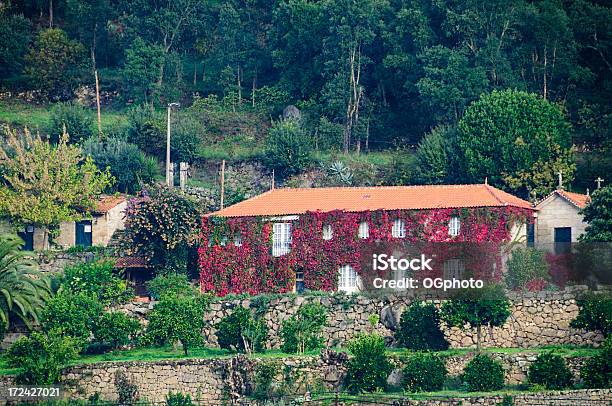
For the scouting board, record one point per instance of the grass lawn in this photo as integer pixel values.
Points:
(36, 117)
(563, 350)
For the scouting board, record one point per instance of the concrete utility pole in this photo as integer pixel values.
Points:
(222, 183)
(169, 180)
(560, 186)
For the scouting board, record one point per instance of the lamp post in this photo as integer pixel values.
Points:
(168, 176)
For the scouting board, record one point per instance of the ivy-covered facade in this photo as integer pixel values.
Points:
(326, 250)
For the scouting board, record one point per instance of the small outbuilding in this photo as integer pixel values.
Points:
(97, 228)
(559, 222)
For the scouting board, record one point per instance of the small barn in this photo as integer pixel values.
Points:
(559, 222)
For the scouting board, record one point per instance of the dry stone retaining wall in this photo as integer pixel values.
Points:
(537, 319)
(222, 380)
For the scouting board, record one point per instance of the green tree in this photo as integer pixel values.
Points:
(15, 33)
(368, 369)
(509, 136)
(41, 358)
(598, 215)
(301, 332)
(130, 167)
(488, 306)
(44, 184)
(146, 130)
(177, 319)
(241, 332)
(72, 315)
(419, 328)
(74, 118)
(23, 290)
(161, 225)
(142, 65)
(450, 83)
(55, 63)
(288, 148)
(99, 280)
(435, 157)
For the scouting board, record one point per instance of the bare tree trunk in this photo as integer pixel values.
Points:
(50, 13)
(239, 78)
(195, 73)
(545, 73)
(253, 89)
(367, 140)
(478, 334)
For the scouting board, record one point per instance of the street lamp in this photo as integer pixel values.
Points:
(169, 179)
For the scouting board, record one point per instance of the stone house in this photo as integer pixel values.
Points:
(96, 228)
(290, 239)
(558, 220)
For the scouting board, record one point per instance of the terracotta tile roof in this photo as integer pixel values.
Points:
(577, 199)
(288, 201)
(106, 203)
(131, 262)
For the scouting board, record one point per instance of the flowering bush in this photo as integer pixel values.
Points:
(161, 226)
(227, 267)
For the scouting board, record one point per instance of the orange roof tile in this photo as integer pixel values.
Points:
(577, 199)
(106, 203)
(288, 201)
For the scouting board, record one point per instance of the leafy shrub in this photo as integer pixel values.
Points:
(113, 330)
(550, 371)
(78, 122)
(419, 328)
(368, 369)
(186, 135)
(170, 285)
(595, 313)
(597, 371)
(178, 399)
(241, 332)
(161, 225)
(146, 130)
(525, 265)
(301, 332)
(71, 314)
(424, 373)
(264, 375)
(488, 306)
(177, 319)
(483, 373)
(288, 148)
(98, 280)
(41, 357)
(130, 167)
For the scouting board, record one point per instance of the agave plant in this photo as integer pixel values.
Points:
(23, 289)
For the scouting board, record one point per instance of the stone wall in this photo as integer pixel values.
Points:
(537, 319)
(222, 380)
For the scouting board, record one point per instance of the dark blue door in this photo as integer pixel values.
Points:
(563, 240)
(27, 235)
(83, 233)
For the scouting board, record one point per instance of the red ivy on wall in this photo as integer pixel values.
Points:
(250, 267)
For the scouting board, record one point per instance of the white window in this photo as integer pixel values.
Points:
(399, 229)
(347, 279)
(453, 268)
(364, 229)
(238, 240)
(223, 242)
(281, 239)
(454, 225)
(328, 232)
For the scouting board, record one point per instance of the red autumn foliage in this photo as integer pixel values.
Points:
(250, 267)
